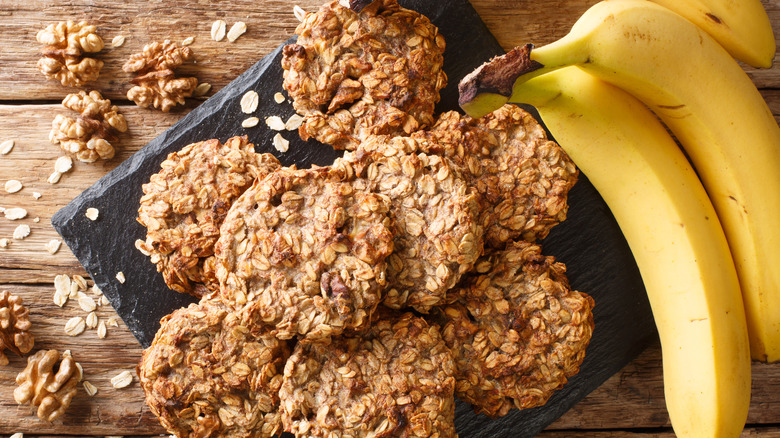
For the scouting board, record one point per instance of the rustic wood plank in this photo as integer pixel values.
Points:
(32, 161)
(513, 22)
(111, 411)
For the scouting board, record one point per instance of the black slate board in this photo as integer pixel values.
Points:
(589, 242)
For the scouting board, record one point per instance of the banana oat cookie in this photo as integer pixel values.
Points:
(377, 71)
(435, 215)
(517, 330)
(305, 251)
(523, 177)
(209, 373)
(184, 204)
(395, 379)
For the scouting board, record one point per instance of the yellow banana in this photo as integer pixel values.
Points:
(741, 27)
(706, 100)
(675, 236)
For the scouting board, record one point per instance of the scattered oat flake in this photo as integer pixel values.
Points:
(294, 122)
(17, 435)
(278, 97)
(96, 290)
(80, 281)
(236, 31)
(60, 298)
(87, 304)
(92, 213)
(275, 123)
(249, 102)
(62, 283)
(218, 30)
(187, 41)
(103, 301)
(120, 276)
(117, 41)
(201, 89)
(54, 178)
(6, 146)
(91, 320)
(75, 326)
(15, 213)
(280, 143)
(63, 164)
(89, 388)
(112, 322)
(102, 330)
(37, 219)
(53, 246)
(251, 122)
(3, 243)
(122, 380)
(21, 232)
(74, 291)
(37, 195)
(299, 13)
(13, 186)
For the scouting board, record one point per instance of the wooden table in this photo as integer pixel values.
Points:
(629, 404)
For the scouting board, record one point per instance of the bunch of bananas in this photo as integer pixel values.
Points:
(706, 240)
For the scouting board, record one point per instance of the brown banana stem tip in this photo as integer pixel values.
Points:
(356, 5)
(498, 75)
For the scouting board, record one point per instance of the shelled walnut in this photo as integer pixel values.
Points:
(156, 83)
(90, 135)
(14, 326)
(65, 44)
(49, 383)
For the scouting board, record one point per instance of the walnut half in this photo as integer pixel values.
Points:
(63, 53)
(14, 326)
(156, 84)
(88, 136)
(49, 382)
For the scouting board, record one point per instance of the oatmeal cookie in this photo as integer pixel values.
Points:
(517, 330)
(435, 215)
(306, 252)
(184, 204)
(377, 71)
(395, 379)
(209, 373)
(523, 178)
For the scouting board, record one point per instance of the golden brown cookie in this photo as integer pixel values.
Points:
(209, 373)
(523, 178)
(517, 330)
(394, 379)
(351, 74)
(185, 202)
(306, 252)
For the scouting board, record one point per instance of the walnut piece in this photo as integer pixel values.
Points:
(156, 84)
(63, 53)
(88, 136)
(14, 326)
(49, 382)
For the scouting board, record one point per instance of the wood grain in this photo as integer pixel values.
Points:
(630, 404)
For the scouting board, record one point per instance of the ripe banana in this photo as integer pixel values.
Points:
(741, 27)
(675, 236)
(706, 100)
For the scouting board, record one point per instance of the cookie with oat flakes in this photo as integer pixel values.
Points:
(351, 74)
(435, 215)
(209, 373)
(516, 329)
(394, 379)
(185, 202)
(523, 178)
(305, 251)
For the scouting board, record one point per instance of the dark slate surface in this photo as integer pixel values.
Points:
(589, 242)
